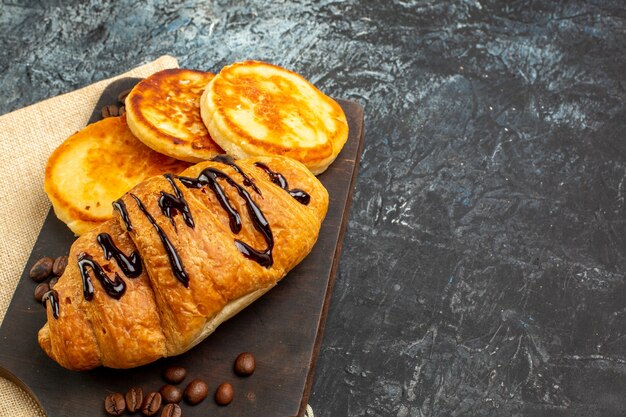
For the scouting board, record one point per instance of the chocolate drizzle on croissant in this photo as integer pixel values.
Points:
(228, 160)
(121, 209)
(209, 176)
(115, 288)
(175, 262)
(53, 297)
(130, 265)
(277, 178)
(170, 204)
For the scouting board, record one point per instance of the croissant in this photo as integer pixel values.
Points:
(181, 255)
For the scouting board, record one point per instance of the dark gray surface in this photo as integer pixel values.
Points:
(483, 268)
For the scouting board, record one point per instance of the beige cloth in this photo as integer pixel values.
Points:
(27, 137)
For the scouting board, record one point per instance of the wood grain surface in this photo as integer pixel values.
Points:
(283, 329)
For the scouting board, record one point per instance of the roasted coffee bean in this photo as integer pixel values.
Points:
(151, 404)
(196, 391)
(114, 404)
(175, 374)
(122, 111)
(134, 399)
(172, 410)
(40, 290)
(171, 394)
(110, 110)
(42, 269)
(53, 282)
(59, 265)
(245, 364)
(121, 97)
(224, 394)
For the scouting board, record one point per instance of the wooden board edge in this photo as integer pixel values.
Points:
(9, 376)
(333, 272)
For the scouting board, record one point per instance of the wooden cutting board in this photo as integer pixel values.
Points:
(283, 328)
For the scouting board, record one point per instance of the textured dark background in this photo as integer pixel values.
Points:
(483, 268)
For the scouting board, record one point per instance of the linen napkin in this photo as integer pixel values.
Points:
(27, 138)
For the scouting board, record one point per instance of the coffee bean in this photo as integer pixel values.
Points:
(175, 374)
(40, 290)
(121, 97)
(151, 404)
(114, 404)
(110, 110)
(122, 111)
(42, 269)
(53, 282)
(196, 391)
(59, 265)
(171, 394)
(224, 394)
(172, 410)
(134, 399)
(245, 364)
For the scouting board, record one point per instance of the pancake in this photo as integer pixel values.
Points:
(96, 166)
(163, 111)
(253, 108)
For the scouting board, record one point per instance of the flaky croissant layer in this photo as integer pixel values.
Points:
(182, 255)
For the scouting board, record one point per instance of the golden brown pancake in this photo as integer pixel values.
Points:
(254, 108)
(96, 166)
(163, 111)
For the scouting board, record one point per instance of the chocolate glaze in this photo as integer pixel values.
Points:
(228, 160)
(233, 215)
(121, 208)
(130, 265)
(277, 178)
(53, 296)
(171, 204)
(209, 176)
(115, 288)
(175, 261)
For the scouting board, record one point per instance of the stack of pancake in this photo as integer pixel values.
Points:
(179, 116)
